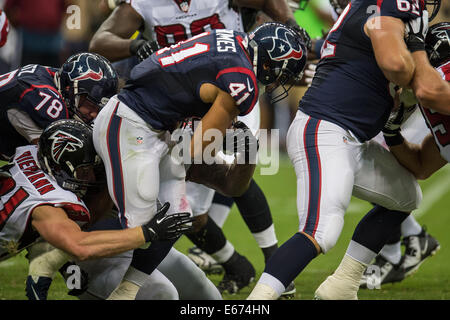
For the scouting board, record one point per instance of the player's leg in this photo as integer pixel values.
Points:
(210, 238)
(131, 153)
(323, 157)
(190, 281)
(379, 179)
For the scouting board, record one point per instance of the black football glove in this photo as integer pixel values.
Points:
(240, 139)
(416, 31)
(301, 32)
(143, 49)
(167, 227)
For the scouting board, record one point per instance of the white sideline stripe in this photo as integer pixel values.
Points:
(434, 192)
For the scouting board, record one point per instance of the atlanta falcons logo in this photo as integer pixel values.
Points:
(282, 48)
(442, 33)
(62, 142)
(183, 4)
(82, 70)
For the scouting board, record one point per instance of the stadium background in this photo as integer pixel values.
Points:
(432, 281)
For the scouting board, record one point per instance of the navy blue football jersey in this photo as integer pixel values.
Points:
(165, 88)
(30, 89)
(349, 89)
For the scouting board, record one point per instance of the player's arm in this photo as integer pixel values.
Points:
(387, 37)
(430, 89)
(422, 160)
(222, 112)
(278, 10)
(112, 39)
(54, 226)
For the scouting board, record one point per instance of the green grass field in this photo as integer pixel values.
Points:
(432, 281)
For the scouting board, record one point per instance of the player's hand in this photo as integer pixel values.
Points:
(240, 140)
(392, 128)
(84, 279)
(301, 32)
(416, 31)
(309, 73)
(143, 49)
(167, 227)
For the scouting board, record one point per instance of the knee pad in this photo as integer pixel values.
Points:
(329, 236)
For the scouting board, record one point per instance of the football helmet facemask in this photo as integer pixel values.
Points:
(437, 43)
(86, 76)
(339, 5)
(278, 55)
(66, 152)
(433, 7)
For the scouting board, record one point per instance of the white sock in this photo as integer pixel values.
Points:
(224, 254)
(267, 288)
(266, 238)
(392, 252)
(410, 227)
(48, 263)
(129, 286)
(219, 213)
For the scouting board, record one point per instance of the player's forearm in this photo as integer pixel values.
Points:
(100, 244)
(278, 10)
(110, 46)
(431, 90)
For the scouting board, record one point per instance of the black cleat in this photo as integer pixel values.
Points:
(239, 273)
(417, 249)
(381, 272)
(289, 293)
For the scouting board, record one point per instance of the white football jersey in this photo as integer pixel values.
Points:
(440, 123)
(171, 21)
(23, 188)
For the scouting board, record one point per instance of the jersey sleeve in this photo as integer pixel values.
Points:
(43, 105)
(401, 9)
(241, 84)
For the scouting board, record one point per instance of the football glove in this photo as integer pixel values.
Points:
(301, 32)
(239, 139)
(167, 227)
(392, 128)
(416, 31)
(143, 49)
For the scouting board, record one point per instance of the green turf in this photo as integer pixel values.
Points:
(432, 281)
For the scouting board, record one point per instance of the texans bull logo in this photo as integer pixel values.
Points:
(62, 142)
(82, 70)
(283, 48)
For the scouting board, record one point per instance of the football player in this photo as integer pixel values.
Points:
(40, 190)
(4, 28)
(346, 105)
(392, 265)
(173, 22)
(210, 76)
(422, 160)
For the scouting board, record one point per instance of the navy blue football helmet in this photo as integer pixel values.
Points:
(437, 43)
(86, 75)
(279, 56)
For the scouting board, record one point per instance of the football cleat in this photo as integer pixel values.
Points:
(388, 273)
(289, 292)
(204, 261)
(37, 287)
(239, 273)
(417, 249)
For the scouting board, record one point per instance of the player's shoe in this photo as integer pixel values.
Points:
(239, 273)
(204, 261)
(417, 249)
(37, 287)
(381, 272)
(289, 293)
(336, 288)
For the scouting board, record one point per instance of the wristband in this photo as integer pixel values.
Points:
(394, 140)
